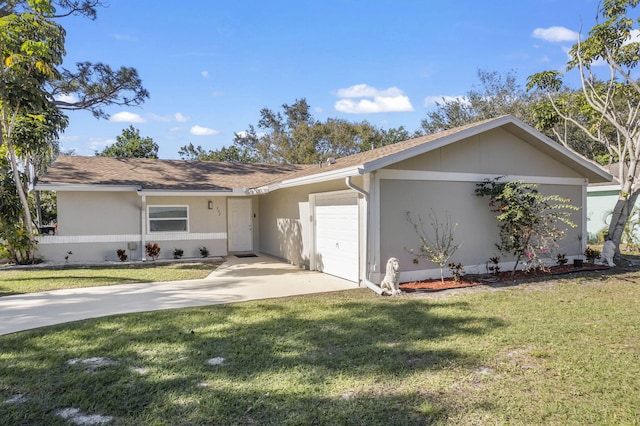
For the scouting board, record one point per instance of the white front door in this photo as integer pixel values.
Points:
(239, 224)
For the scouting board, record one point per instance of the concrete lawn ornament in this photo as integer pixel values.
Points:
(608, 251)
(389, 284)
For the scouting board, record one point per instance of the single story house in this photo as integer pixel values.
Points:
(345, 217)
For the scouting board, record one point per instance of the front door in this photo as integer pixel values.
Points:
(239, 224)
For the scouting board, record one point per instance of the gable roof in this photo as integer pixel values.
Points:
(375, 159)
(179, 175)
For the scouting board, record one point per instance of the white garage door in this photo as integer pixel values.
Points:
(336, 218)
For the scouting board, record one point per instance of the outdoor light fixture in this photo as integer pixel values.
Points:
(210, 205)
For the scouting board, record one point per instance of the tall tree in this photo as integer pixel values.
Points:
(131, 145)
(231, 154)
(295, 137)
(607, 109)
(282, 138)
(496, 95)
(32, 48)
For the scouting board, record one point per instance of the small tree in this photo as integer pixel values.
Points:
(530, 222)
(439, 249)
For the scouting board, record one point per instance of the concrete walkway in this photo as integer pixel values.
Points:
(236, 280)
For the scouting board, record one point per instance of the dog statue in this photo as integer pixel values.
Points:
(389, 284)
(608, 251)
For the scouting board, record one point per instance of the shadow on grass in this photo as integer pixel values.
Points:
(315, 360)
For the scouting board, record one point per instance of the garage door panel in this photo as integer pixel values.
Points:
(337, 236)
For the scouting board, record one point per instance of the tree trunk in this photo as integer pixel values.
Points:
(26, 212)
(620, 217)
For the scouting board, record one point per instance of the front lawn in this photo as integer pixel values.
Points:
(558, 353)
(30, 280)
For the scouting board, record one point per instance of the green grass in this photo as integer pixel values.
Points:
(17, 281)
(561, 354)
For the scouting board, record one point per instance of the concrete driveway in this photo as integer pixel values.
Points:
(236, 280)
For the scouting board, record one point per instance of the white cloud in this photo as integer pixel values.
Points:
(202, 131)
(100, 144)
(387, 100)
(204, 74)
(634, 37)
(433, 100)
(127, 117)
(555, 34)
(180, 118)
(217, 94)
(366, 91)
(67, 98)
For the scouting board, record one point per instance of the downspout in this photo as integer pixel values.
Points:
(143, 226)
(365, 280)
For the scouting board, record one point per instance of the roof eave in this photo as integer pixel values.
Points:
(340, 173)
(191, 192)
(85, 187)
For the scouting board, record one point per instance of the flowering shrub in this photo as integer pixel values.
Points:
(529, 222)
(592, 254)
(153, 250)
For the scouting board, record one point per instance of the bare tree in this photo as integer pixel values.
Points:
(605, 109)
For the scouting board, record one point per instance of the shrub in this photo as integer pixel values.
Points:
(153, 250)
(562, 259)
(494, 265)
(456, 271)
(177, 253)
(592, 254)
(122, 255)
(530, 223)
(204, 252)
(439, 248)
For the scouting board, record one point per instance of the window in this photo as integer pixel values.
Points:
(168, 218)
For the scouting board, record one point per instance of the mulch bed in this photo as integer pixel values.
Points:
(503, 277)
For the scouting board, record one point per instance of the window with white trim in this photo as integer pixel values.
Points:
(168, 218)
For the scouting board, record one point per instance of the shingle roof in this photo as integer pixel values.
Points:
(164, 174)
(222, 176)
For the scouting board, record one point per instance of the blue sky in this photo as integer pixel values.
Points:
(210, 66)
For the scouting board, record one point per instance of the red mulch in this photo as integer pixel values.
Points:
(506, 276)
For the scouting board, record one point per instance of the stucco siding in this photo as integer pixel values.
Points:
(98, 213)
(93, 225)
(285, 225)
(477, 227)
(493, 152)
